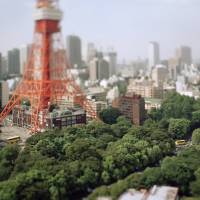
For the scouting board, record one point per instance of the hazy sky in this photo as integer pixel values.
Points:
(126, 25)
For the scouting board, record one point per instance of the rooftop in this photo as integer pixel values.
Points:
(155, 193)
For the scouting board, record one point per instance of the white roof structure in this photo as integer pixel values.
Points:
(156, 193)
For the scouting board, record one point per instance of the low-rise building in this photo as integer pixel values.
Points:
(145, 88)
(97, 106)
(97, 93)
(21, 117)
(151, 103)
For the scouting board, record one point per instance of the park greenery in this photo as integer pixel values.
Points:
(106, 158)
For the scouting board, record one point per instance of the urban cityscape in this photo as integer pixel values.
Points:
(79, 121)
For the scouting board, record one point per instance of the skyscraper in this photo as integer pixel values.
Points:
(112, 59)
(98, 68)
(13, 62)
(153, 54)
(24, 54)
(91, 52)
(74, 51)
(184, 55)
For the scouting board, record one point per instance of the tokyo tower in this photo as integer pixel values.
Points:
(47, 79)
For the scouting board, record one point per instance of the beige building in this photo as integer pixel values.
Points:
(98, 106)
(159, 75)
(145, 88)
(97, 93)
(4, 93)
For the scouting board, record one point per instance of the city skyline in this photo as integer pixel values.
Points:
(128, 31)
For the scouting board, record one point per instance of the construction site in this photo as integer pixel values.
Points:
(47, 96)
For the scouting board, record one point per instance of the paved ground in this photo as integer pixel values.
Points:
(14, 131)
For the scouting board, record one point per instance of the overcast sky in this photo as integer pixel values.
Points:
(125, 25)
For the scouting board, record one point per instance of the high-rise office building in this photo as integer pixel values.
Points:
(112, 59)
(13, 62)
(153, 54)
(184, 54)
(4, 93)
(74, 51)
(91, 52)
(24, 55)
(98, 68)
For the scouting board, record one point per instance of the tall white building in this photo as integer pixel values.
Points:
(25, 51)
(4, 93)
(153, 54)
(74, 51)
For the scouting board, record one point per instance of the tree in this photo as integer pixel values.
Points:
(122, 86)
(109, 115)
(196, 137)
(151, 176)
(195, 186)
(155, 114)
(176, 172)
(8, 155)
(121, 127)
(196, 119)
(177, 106)
(179, 128)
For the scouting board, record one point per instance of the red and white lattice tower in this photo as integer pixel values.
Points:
(46, 79)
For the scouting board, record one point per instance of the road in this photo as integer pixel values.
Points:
(14, 131)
